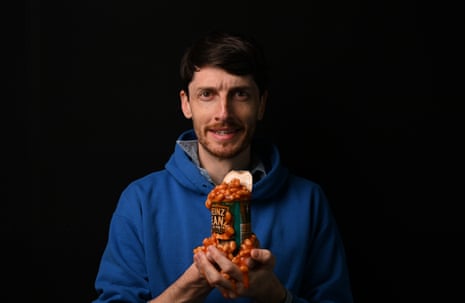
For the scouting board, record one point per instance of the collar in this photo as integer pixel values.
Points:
(190, 147)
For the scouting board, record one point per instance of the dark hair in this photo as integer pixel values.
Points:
(235, 53)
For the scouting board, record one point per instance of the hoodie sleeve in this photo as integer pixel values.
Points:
(122, 276)
(328, 278)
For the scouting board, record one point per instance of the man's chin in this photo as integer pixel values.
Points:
(223, 152)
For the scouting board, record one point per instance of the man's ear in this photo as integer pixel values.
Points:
(185, 104)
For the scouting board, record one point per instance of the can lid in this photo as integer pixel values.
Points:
(244, 176)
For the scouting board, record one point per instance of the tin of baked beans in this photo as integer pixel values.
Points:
(230, 221)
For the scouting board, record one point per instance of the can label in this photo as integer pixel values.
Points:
(230, 221)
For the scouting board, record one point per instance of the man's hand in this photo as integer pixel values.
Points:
(221, 273)
(189, 287)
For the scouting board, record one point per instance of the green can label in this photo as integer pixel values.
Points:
(230, 221)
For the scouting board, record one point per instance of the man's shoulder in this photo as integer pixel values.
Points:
(153, 178)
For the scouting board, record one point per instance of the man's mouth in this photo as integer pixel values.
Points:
(224, 132)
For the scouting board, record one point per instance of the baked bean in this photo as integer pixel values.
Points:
(229, 192)
(227, 248)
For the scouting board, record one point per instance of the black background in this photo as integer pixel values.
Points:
(365, 100)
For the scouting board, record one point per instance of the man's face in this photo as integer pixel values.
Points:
(224, 109)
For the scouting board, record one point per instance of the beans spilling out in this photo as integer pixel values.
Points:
(229, 204)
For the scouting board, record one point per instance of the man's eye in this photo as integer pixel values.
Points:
(205, 95)
(242, 95)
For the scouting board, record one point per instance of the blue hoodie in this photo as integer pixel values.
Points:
(160, 218)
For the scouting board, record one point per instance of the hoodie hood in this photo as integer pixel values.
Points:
(186, 172)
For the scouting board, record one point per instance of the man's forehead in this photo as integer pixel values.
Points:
(219, 79)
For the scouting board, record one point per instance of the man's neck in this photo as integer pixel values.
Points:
(217, 168)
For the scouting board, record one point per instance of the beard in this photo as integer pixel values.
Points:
(223, 151)
(227, 150)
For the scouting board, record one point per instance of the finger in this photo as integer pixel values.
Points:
(198, 265)
(211, 273)
(263, 256)
(206, 268)
(227, 293)
(225, 265)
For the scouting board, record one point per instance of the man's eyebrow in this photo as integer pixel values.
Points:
(238, 87)
(242, 87)
(199, 88)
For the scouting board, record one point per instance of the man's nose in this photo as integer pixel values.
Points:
(224, 108)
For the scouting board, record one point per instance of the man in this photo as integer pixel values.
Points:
(160, 218)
